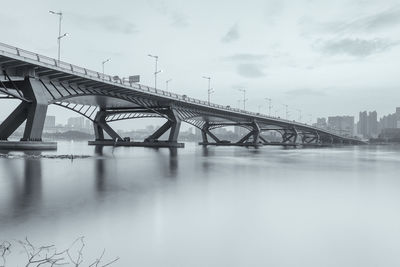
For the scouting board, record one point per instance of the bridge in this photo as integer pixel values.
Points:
(39, 81)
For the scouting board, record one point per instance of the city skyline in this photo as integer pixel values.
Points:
(367, 125)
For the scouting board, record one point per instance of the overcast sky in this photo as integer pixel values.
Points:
(322, 57)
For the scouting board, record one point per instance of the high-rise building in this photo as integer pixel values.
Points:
(362, 126)
(342, 124)
(390, 121)
(321, 123)
(368, 124)
(372, 124)
(50, 122)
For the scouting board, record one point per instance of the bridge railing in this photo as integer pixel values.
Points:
(8, 49)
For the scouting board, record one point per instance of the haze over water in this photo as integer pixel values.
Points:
(216, 206)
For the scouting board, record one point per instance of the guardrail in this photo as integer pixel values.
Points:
(15, 51)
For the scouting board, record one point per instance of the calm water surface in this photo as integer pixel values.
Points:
(209, 207)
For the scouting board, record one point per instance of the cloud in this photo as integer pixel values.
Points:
(365, 24)
(231, 35)
(250, 70)
(109, 23)
(304, 92)
(245, 57)
(274, 8)
(381, 20)
(355, 47)
(177, 18)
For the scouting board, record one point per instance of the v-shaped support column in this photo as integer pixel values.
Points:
(255, 133)
(290, 136)
(34, 111)
(205, 132)
(173, 124)
(100, 125)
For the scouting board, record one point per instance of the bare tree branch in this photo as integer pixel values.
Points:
(49, 256)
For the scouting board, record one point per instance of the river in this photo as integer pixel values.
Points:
(216, 206)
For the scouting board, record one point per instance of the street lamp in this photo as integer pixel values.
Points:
(166, 84)
(244, 98)
(310, 117)
(239, 103)
(298, 110)
(104, 62)
(156, 71)
(269, 105)
(60, 15)
(209, 90)
(287, 112)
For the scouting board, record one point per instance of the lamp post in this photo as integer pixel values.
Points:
(166, 84)
(287, 111)
(298, 110)
(60, 15)
(269, 105)
(209, 90)
(244, 98)
(156, 71)
(104, 62)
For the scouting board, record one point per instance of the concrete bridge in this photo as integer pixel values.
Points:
(39, 81)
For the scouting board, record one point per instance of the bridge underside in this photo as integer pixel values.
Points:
(105, 102)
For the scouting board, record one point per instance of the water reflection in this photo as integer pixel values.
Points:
(26, 185)
(100, 175)
(173, 162)
(152, 204)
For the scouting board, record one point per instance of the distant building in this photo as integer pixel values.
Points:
(321, 123)
(197, 133)
(342, 124)
(239, 131)
(390, 121)
(150, 128)
(362, 126)
(50, 122)
(368, 124)
(392, 134)
(76, 122)
(372, 124)
(88, 124)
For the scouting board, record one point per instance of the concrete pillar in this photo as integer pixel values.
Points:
(13, 121)
(256, 133)
(100, 125)
(34, 112)
(175, 127)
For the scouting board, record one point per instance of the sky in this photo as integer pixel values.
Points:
(323, 58)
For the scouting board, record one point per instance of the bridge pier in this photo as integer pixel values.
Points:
(100, 125)
(33, 110)
(252, 138)
(289, 136)
(172, 125)
(310, 139)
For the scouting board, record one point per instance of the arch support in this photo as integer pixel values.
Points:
(33, 111)
(310, 138)
(290, 136)
(252, 138)
(100, 126)
(172, 125)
